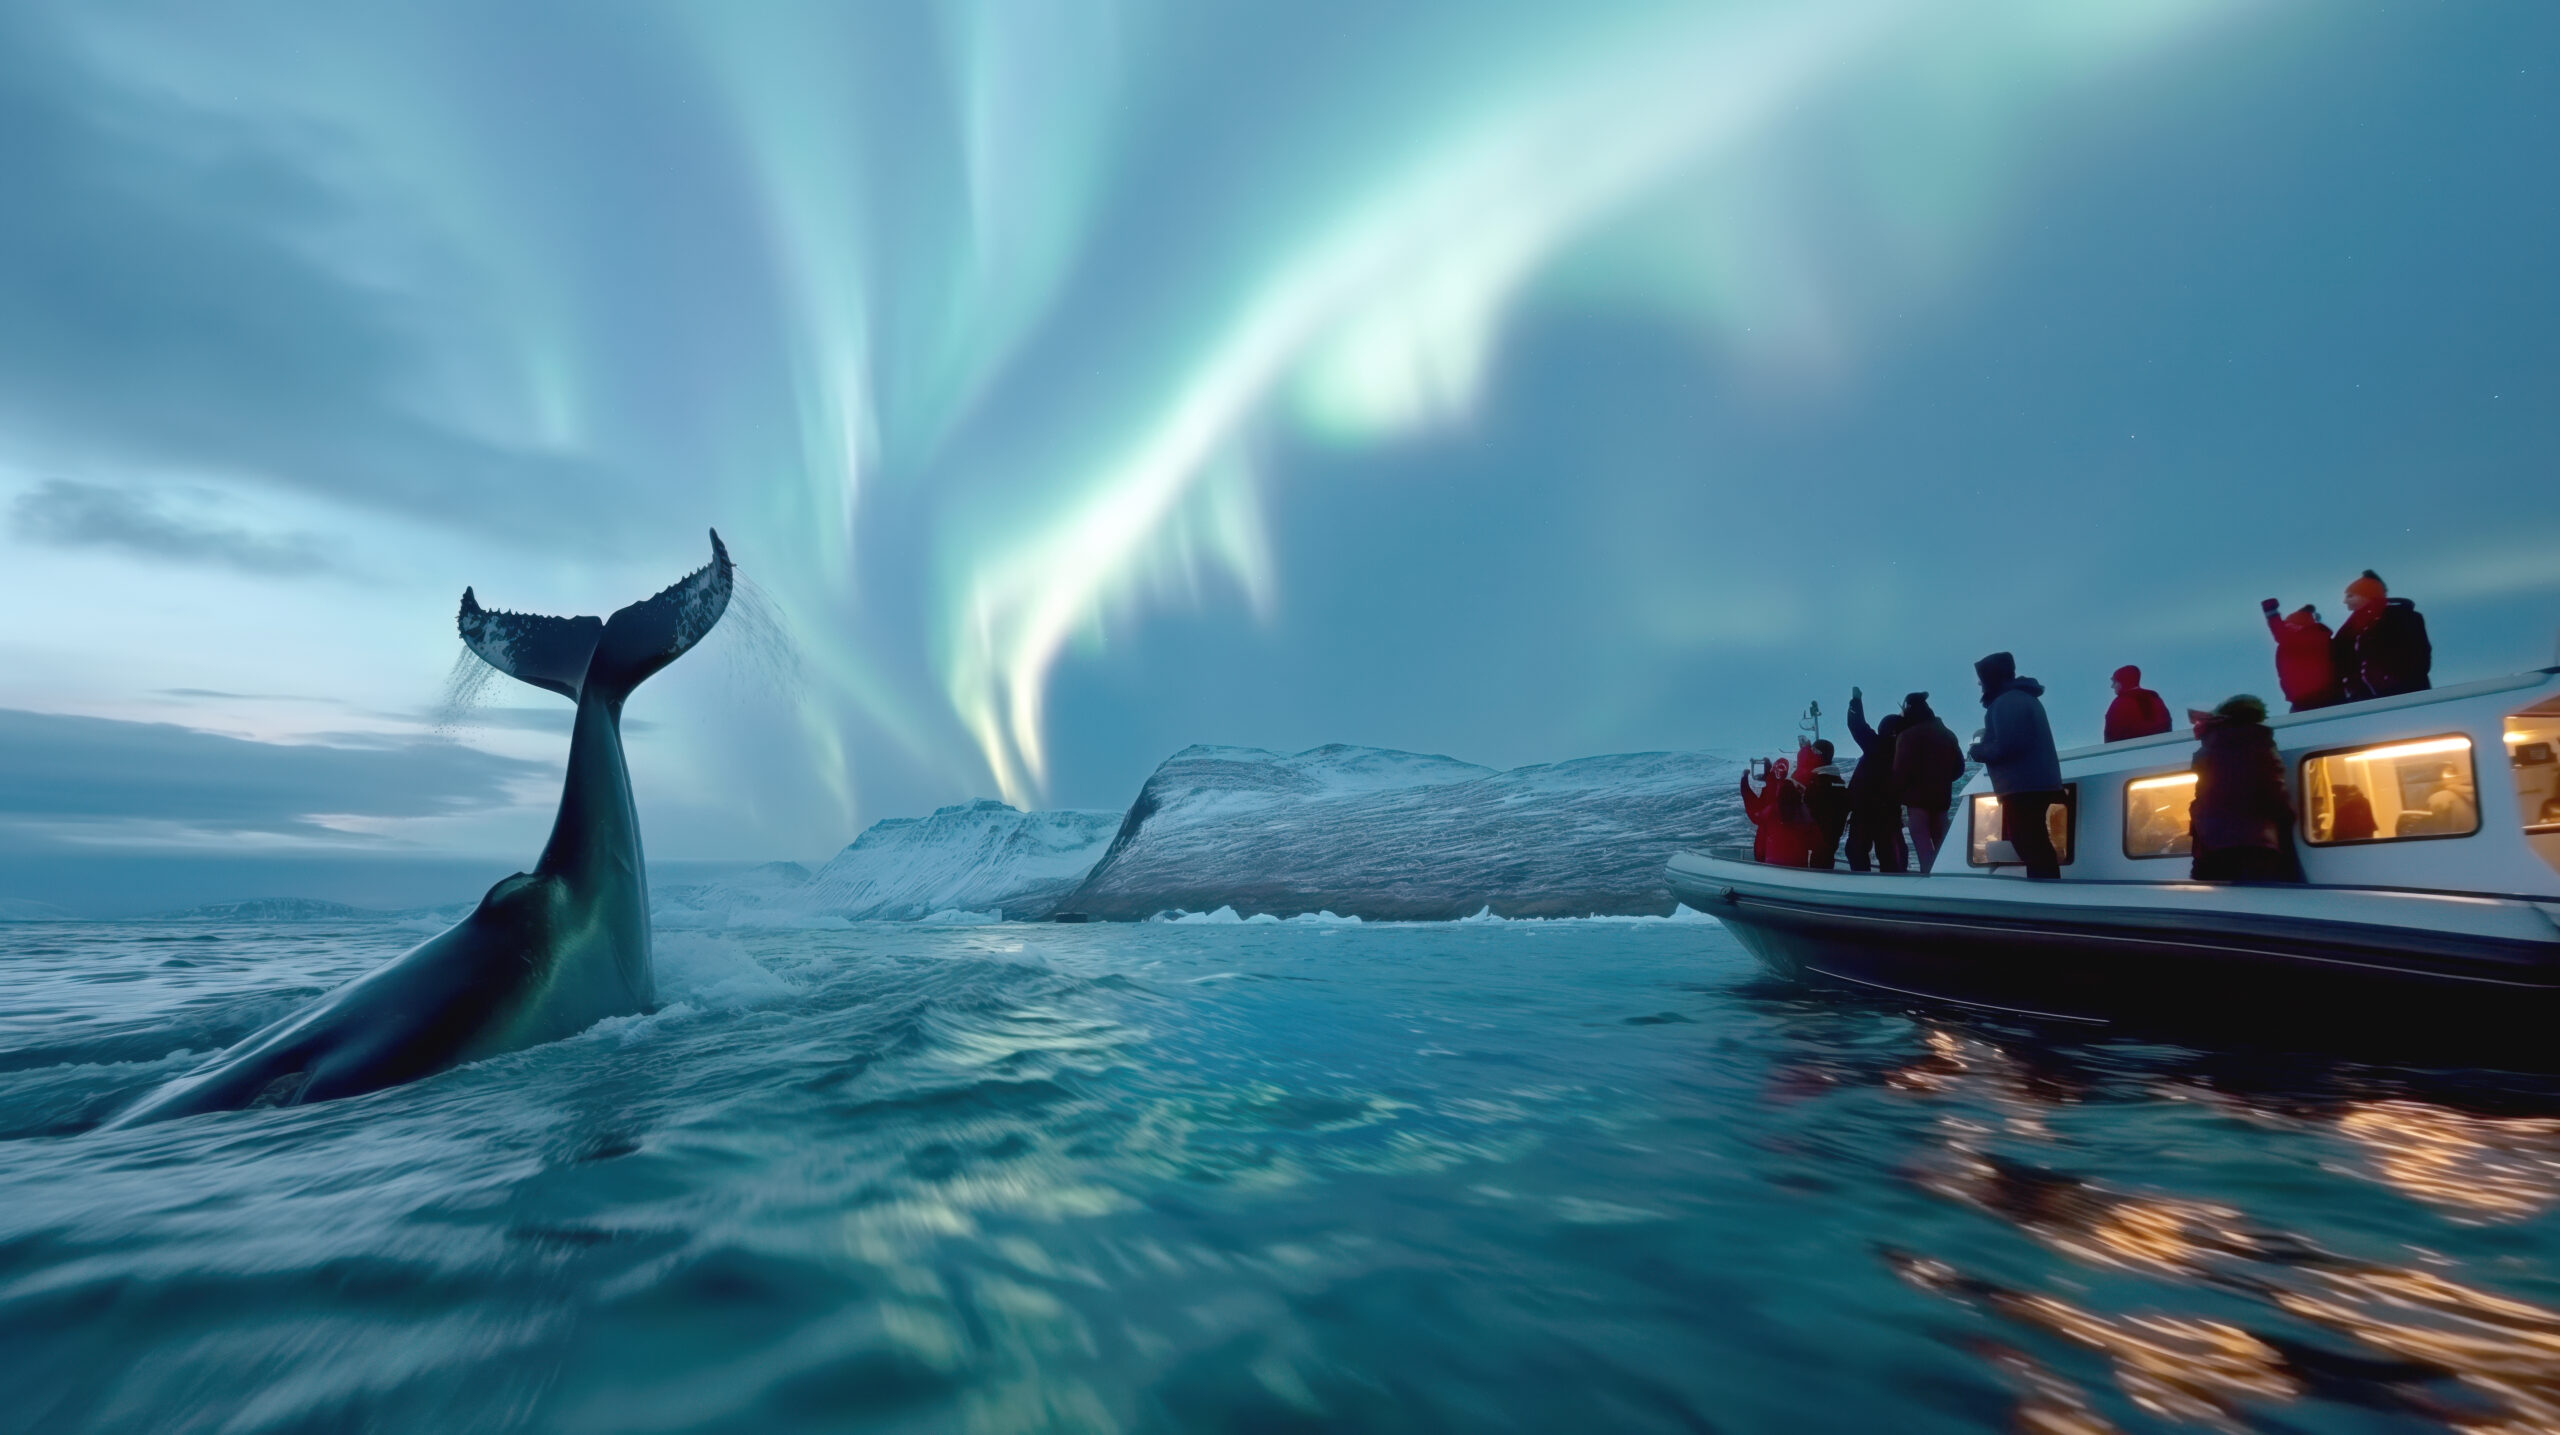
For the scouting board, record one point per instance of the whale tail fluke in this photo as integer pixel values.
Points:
(546, 652)
(569, 656)
(654, 632)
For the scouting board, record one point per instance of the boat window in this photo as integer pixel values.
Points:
(2155, 815)
(2061, 820)
(2417, 788)
(2533, 758)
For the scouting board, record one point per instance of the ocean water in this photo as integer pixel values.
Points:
(1528, 1176)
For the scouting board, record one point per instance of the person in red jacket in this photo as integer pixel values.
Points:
(2304, 668)
(1785, 832)
(1761, 806)
(2137, 710)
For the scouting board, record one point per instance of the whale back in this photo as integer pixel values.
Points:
(546, 953)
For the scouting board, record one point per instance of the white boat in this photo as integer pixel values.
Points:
(2429, 834)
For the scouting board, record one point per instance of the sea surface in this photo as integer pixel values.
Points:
(1503, 1176)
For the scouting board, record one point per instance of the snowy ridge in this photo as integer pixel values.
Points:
(1379, 835)
(959, 864)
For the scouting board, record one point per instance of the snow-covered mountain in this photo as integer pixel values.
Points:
(976, 857)
(1391, 835)
(1357, 831)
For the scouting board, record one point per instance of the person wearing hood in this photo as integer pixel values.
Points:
(2137, 710)
(2026, 772)
(2241, 813)
(1826, 800)
(2304, 668)
(1875, 809)
(1927, 765)
(2382, 648)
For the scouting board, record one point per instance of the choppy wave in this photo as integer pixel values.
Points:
(1230, 1174)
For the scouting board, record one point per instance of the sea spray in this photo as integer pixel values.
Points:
(466, 689)
(756, 644)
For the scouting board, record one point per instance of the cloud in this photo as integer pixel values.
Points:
(88, 515)
(108, 778)
(165, 299)
(560, 718)
(553, 719)
(228, 696)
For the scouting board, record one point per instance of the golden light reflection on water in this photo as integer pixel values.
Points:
(2401, 1337)
(2487, 1168)
(2470, 1167)
(2179, 1369)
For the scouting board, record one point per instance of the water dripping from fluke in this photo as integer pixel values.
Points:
(466, 690)
(757, 644)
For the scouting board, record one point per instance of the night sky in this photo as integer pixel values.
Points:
(1078, 380)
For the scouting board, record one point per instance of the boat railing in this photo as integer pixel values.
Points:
(1741, 852)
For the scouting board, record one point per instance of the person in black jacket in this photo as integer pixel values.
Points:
(2382, 647)
(2241, 813)
(1828, 797)
(1875, 812)
(1927, 765)
(2017, 746)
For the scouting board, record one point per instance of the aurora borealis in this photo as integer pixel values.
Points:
(1078, 379)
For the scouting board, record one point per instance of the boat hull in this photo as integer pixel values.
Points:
(2188, 955)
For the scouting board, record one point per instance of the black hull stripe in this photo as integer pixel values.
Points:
(1934, 926)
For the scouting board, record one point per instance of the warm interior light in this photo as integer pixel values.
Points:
(2411, 749)
(2517, 737)
(2175, 779)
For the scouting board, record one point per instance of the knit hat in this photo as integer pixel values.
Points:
(1915, 705)
(2304, 616)
(2369, 586)
(2243, 708)
(2129, 675)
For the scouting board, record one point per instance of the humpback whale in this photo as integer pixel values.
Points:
(548, 952)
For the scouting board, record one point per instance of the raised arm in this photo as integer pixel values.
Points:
(1859, 732)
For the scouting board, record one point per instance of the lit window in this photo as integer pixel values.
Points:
(2533, 757)
(2391, 791)
(2059, 822)
(2155, 815)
